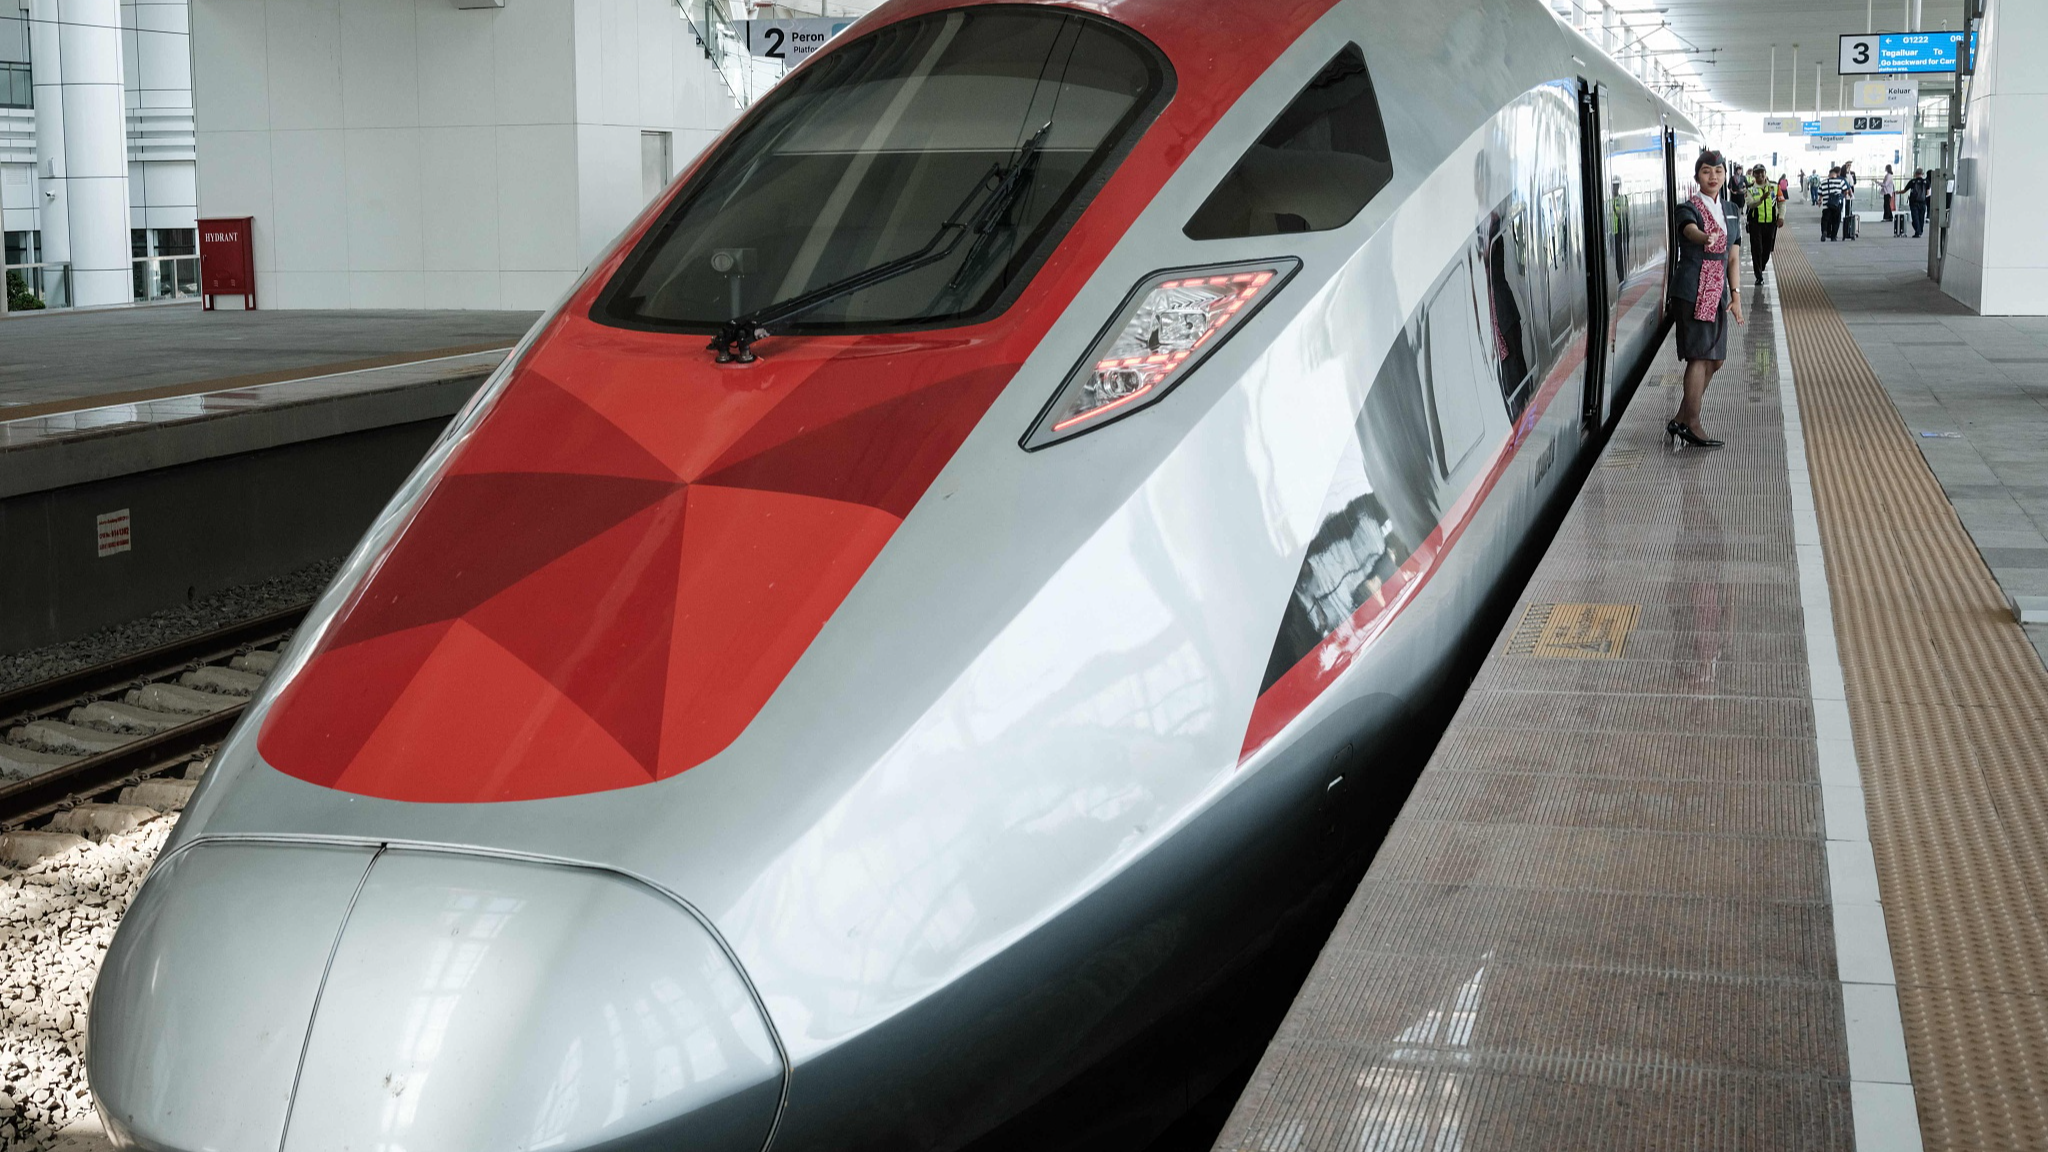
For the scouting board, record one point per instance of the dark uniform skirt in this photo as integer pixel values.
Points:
(1701, 339)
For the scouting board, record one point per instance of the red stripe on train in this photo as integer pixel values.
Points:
(1312, 675)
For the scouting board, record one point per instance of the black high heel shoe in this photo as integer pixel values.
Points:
(1679, 431)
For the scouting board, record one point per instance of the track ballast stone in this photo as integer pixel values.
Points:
(56, 919)
(204, 614)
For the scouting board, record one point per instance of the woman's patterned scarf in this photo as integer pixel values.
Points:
(1713, 273)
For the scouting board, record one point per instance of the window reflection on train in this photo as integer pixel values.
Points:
(1636, 233)
(1506, 317)
(1533, 254)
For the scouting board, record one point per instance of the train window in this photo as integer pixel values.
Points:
(936, 160)
(1313, 169)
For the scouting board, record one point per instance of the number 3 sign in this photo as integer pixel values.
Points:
(1859, 55)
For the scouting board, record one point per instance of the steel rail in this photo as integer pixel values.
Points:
(146, 666)
(37, 795)
(34, 796)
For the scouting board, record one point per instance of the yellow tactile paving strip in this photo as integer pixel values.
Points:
(1950, 710)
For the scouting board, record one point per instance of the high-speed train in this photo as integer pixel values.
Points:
(893, 632)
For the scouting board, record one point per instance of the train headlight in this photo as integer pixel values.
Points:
(1169, 324)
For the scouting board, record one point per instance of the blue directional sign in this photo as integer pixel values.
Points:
(1901, 52)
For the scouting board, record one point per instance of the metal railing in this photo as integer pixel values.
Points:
(166, 278)
(34, 287)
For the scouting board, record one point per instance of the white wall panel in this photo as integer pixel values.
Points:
(386, 290)
(163, 61)
(588, 17)
(537, 188)
(620, 34)
(302, 289)
(460, 289)
(233, 176)
(90, 54)
(1997, 259)
(608, 184)
(654, 40)
(163, 16)
(534, 290)
(431, 156)
(166, 183)
(379, 64)
(304, 43)
(131, 71)
(535, 54)
(458, 199)
(309, 222)
(383, 180)
(94, 141)
(457, 51)
(230, 50)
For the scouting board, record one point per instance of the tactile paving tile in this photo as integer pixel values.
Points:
(1949, 706)
(1601, 920)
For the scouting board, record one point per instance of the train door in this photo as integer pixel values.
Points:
(1670, 208)
(1602, 212)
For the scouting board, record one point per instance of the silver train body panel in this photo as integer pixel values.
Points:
(998, 817)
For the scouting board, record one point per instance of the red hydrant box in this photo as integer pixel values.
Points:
(227, 259)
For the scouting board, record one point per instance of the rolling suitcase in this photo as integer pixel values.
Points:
(1848, 225)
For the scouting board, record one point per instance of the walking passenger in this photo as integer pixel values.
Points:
(1917, 199)
(1703, 294)
(1830, 195)
(1764, 215)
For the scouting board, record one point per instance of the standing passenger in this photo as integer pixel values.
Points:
(1848, 200)
(1890, 191)
(1703, 294)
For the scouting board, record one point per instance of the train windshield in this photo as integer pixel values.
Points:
(913, 178)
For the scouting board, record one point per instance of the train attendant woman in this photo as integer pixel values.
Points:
(1704, 292)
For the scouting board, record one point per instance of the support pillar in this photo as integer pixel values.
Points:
(81, 145)
(1997, 259)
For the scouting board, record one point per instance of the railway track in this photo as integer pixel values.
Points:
(105, 749)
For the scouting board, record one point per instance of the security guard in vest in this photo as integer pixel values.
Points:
(1764, 215)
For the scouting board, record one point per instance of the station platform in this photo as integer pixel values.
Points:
(1973, 391)
(153, 455)
(65, 361)
(1738, 839)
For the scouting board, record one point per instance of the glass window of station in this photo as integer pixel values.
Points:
(14, 70)
(938, 160)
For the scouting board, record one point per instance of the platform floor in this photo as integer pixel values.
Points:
(1768, 873)
(60, 361)
(1602, 921)
(1950, 712)
(1972, 389)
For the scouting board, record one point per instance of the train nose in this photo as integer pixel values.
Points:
(267, 995)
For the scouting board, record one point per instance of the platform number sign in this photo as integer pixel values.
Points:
(1859, 55)
(1896, 53)
(791, 41)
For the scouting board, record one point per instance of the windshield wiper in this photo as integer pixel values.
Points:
(736, 337)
